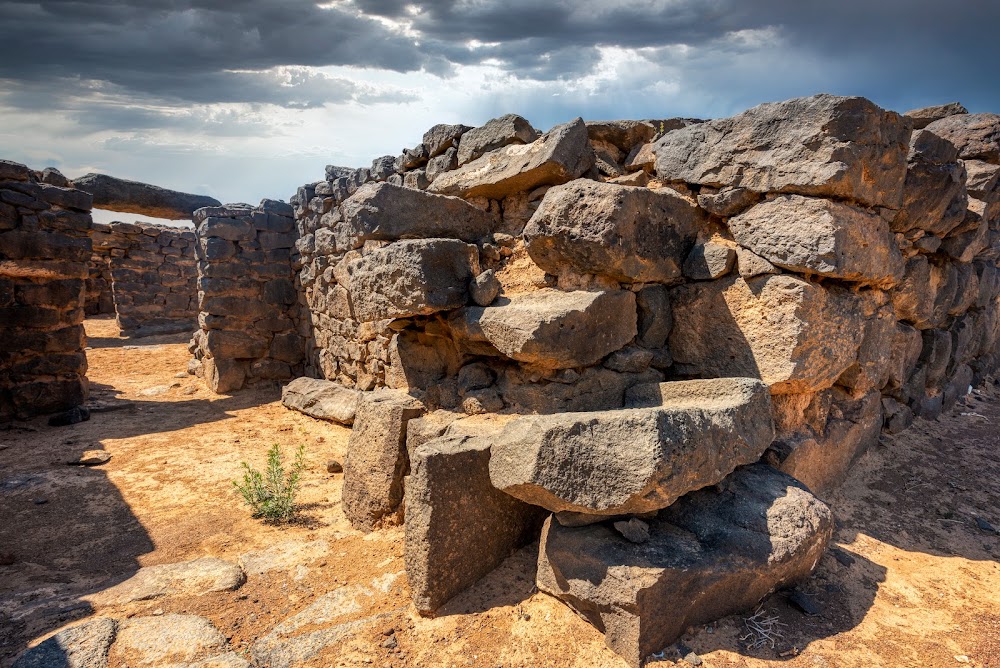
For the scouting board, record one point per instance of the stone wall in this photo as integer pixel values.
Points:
(153, 276)
(45, 248)
(249, 320)
(99, 298)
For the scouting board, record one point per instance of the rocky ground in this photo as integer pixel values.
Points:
(154, 548)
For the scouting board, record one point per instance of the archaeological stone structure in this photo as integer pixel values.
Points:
(650, 347)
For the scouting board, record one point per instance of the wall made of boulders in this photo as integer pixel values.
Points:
(45, 250)
(250, 327)
(153, 276)
(99, 298)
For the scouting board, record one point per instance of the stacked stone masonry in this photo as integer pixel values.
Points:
(249, 324)
(153, 276)
(45, 249)
(672, 335)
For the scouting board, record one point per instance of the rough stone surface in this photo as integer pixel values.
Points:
(794, 335)
(687, 435)
(495, 134)
(83, 646)
(458, 526)
(560, 155)
(442, 137)
(141, 198)
(384, 212)
(484, 288)
(171, 641)
(976, 136)
(728, 201)
(711, 554)
(409, 278)
(934, 193)
(823, 145)
(626, 233)
(186, 578)
(818, 236)
(926, 115)
(709, 260)
(376, 457)
(322, 399)
(555, 329)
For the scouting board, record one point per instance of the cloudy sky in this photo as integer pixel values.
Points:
(244, 100)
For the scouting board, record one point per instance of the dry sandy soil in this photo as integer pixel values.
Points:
(917, 582)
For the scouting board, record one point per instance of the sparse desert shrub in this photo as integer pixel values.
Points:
(271, 493)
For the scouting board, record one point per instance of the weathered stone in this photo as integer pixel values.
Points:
(713, 553)
(926, 115)
(224, 375)
(926, 292)
(819, 236)
(709, 260)
(442, 137)
(376, 456)
(983, 180)
(623, 135)
(560, 155)
(626, 233)
(445, 162)
(384, 212)
(794, 335)
(141, 198)
(934, 195)
(655, 316)
(495, 134)
(872, 368)
(728, 201)
(83, 646)
(750, 264)
(678, 437)
(171, 640)
(458, 526)
(823, 145)
(187, 578)
(383, 167)
(322, 399)
(976, 136)
(484, 288)
(409, 278)
(556, 329)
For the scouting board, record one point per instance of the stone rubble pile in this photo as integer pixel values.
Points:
(45, 249)
(650, 343)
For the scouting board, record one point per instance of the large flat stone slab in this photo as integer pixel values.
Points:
(321, 399)
(412, 277)
(824, 145)
(83, 646)
(794, 335)
(553, 328)
(635, 460)
(821, 237)
(627, 233)
(560, 155)
(186, 578)
(146, 200)
(173, 641)
(713, 553)
(387, 212)
(459, 527)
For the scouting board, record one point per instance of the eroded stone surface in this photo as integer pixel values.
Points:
(141, 198)
(187, 578)
(83, 646)
(322, 399)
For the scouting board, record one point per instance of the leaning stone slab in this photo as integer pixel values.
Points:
(141, 198)
(555, 329)
(926, 115)
(321, 399)
(385, 212)
(976, 136)
(496, 133)
(794, 335)
(186, 578)
(713, 553)
(823, 145)
(687, 435)
(630, 234)
(560, 155)
(459, 527)
(413, 277)
(821, 237)
(376, 456)
(83, 646)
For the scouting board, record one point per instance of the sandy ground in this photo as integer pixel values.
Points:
(917, 582)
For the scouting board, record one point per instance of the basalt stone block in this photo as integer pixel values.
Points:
(224, 375)
(234, 345)
(321, 399)
(627, 233)
(934, 193)
(976, 136)
(623, 135)
(561, 155)
(678, 437)
(496, 133)
(147, 200)
(824, 145)
(409, 278)
(458, 526)
(442, 137)
(821, 237)
(794, 335)
(376, 456)
(713, 553)
(926, 115)
(230, 229)
(385, 212)
(709, 260)
(552, 328)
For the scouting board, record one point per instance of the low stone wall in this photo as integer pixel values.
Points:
(99, 298)
(249, 324)
(45, 249)
(153, 276)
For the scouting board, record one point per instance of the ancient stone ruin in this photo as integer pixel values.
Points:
(651, 346)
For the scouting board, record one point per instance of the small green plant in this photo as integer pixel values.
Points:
(271, 494)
